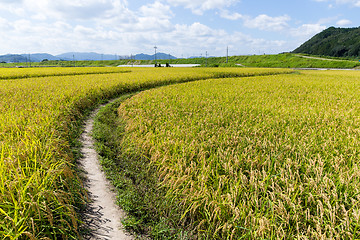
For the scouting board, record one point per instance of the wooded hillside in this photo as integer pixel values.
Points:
(335, 42)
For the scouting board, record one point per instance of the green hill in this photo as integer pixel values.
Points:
(335, 42)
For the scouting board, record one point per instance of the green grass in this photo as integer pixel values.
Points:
(23, 73)
(132, 178)
(272, 157)
(136, 181)
(288, 60)
(285, 60)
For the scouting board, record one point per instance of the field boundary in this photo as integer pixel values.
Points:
(26, 76)
(243, 159)
(107, 132)
(56, 110)
(102, 216)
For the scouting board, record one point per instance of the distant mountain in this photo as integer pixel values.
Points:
(97, 56)
(12, 58)
(143, 56)
(78, 56)
(38, 57)
(92, 56)
(335, 42)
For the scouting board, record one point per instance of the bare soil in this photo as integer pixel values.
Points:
(103, 217)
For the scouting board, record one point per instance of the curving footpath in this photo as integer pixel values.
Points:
(103, 216)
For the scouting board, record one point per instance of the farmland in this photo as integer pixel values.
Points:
(283, 60)
(16, 73)
(41, 113)
(263, 157)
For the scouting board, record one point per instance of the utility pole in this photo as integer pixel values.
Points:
(74, 59)
(29, 60)
(155, 55)
(206, 58)
(227, 54)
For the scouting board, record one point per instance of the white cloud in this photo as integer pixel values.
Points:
(198, 38)
(265, 22)
(343, 22)
(306, 31)
(12, 7)
(110, 26)
(197, 30)
(4, 24)
(327, 21)
(355, 3)
(199, 6)
(157, 10)
(78, 9)
(149, 18)
(230, 16)
(74, 9)
(11, 2)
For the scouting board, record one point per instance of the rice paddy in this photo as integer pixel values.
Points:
(41, 112)
(241, 154)
(263, 157)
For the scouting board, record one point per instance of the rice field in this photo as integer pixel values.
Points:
(41, 112)
(16, 73)
(264, 157)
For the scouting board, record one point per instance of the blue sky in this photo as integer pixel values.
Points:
(182, 28)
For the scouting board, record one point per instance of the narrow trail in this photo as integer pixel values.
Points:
(103, 215)
(320, 58)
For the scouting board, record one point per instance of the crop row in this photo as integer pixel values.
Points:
(17, 73)
(273, 157)
(40, 118)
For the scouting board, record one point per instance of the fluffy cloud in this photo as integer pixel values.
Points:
(198, 38)
(199, 6)
(343, 22)
(3, 3)
(149, 18)
(11, 1)
(79, 9)
(157, 10)
(306, 31)
(4, 24)
(74, 9)
(230, 16)
(110, 26)
(265, 22)
(355, 3)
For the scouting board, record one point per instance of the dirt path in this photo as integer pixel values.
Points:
(319, 58)
(103, 216)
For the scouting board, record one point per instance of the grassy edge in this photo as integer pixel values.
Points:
(133, 176)
(57, 217)
(30, 75)
(71, 127)
(136, 181)
(282, 60)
